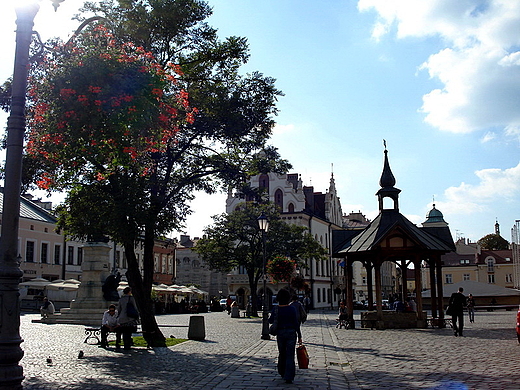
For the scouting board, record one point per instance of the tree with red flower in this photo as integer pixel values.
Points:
(112, 122)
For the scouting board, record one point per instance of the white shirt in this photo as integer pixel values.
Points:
(110, 320)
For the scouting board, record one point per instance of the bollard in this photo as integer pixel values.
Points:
(197, 330)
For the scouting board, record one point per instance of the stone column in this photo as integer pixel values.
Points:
(89, 305)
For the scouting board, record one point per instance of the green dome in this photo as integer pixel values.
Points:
(434, 216)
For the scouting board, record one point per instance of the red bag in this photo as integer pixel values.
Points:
(303, 356)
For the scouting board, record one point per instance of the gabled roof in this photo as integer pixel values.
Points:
(388, 220)
(29, 210)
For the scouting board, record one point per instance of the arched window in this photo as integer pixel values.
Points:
(278, 199)
(263, 182)
(291, 208)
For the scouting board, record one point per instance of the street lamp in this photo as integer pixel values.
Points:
(11, 373)
(263, 224)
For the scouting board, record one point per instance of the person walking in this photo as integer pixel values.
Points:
(128, 318)
(302, 313)
(288, 328)
(456, 304)
(470, 303)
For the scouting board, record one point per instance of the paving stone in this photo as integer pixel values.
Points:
(234, 357)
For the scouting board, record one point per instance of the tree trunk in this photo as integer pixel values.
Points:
(142, 292)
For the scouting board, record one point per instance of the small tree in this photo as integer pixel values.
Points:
(235, 240)
(493, 242)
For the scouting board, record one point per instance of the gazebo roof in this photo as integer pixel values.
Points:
(386, 223)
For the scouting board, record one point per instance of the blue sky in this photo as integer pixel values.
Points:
(439, 80)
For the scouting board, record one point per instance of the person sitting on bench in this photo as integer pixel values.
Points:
(109, 323)
(47, 309)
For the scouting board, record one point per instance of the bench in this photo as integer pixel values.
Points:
(95, 334)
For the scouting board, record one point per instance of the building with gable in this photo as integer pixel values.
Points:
(319, 212)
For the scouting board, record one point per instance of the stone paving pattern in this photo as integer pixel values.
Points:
(234, 357)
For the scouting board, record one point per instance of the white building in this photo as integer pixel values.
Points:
(319, 212)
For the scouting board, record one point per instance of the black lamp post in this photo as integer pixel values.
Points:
(263, 224)
(11, 373)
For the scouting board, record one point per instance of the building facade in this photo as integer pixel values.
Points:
(192, 270)
(319, 212)
(45, 253)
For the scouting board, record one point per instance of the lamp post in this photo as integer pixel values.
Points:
(11, 373)
(263, 224)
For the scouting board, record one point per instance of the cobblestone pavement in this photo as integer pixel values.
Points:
(234, 357)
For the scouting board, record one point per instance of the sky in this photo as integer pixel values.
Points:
(439, 80)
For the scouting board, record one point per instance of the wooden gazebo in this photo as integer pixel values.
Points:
(392, 237)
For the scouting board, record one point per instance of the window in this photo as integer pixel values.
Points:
(156, 263)
(57, 254)
(509, 278)
(117, 258)
(29, 252)
(80, 256)
(278, 199)
(44, 255)
(465, 277)
(318, 296)
(291, 208)
(491, 278)
(70, 255)
(448, 278)
(464, 261)
(364, 280)
(490, 261)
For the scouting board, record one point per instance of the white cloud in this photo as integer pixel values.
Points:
(495, 185)
(479, 66)
(489, 136)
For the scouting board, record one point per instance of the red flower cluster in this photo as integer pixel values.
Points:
(281, 268)
(98, 103)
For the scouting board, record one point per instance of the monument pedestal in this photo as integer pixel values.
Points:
(89, 305)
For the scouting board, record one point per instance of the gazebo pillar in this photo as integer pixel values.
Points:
(370, 285)
(404, 280)
(440, 297)
(421, 321)
(350, 292)
(433, 287)
(379, 295)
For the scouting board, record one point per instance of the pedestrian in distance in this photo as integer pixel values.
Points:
(302, 313)
(288, 329)
(307, 303)
(47, 309)
(109, 323)
(229, 301)
(456, 304)
(128, 318)
(470, 303)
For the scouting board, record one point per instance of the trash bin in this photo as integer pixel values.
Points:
(196, 329)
